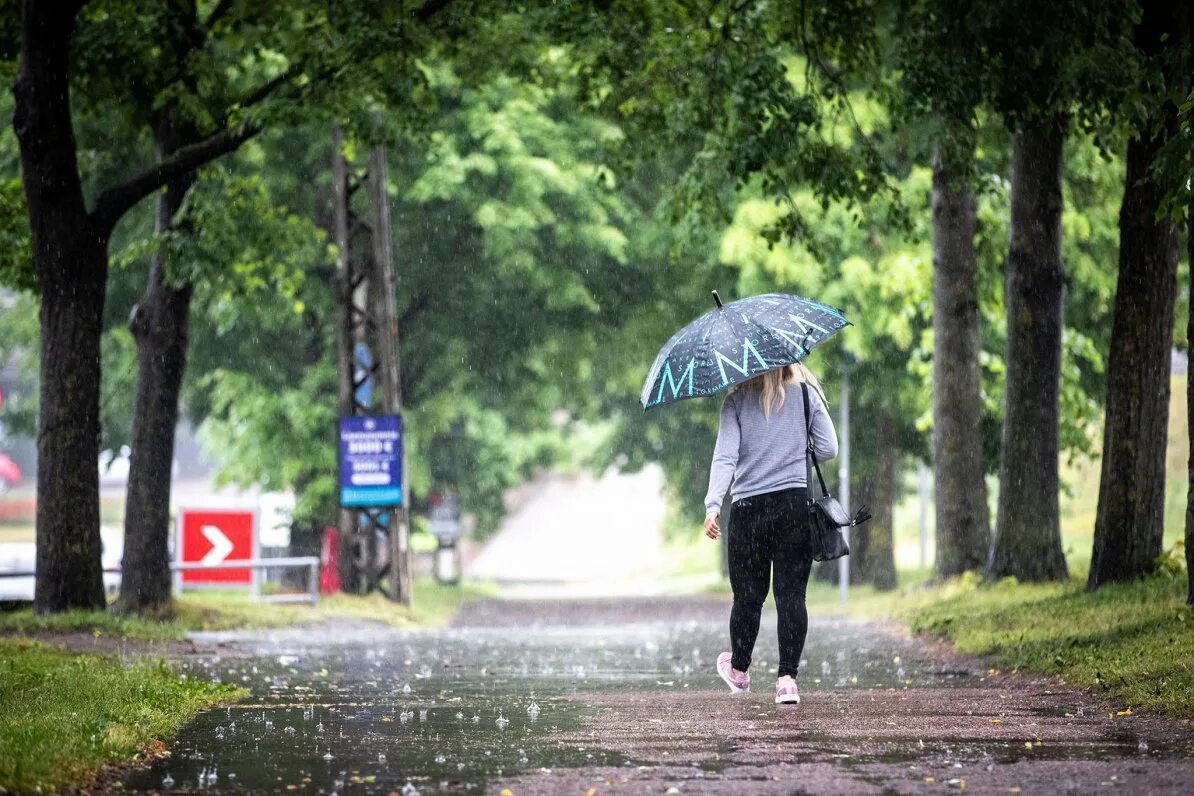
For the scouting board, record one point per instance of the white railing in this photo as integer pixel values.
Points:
(311, 563)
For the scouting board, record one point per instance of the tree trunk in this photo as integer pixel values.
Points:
(68, 564)
(1129, 521)
(1190, 413)
(861, 492)
(159, 325)
(963, 521)
(70, 259)
(1027, 542)
(881, 569)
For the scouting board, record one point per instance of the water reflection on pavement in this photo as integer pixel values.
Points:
(363, 707)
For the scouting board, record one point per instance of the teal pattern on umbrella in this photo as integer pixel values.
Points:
(738, 341)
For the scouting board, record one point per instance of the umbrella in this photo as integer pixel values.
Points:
(737, 341)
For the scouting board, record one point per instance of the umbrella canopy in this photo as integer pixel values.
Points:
(736, 342)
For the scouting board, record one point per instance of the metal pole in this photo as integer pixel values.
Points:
(843, 488)
(345, 340)
(387, 320)
(922, 488)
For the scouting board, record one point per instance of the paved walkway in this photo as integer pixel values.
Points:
(579, 535)
(619, 696)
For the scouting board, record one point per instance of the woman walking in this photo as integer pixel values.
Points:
(760, 458)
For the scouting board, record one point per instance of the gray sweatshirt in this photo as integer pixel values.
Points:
(760, 455)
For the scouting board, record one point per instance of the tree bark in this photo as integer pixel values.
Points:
(1027, 542)
(862, 491)
(881, 569)
(1189, 414)
(963, 521)
(1129, 521)
(159, 326)
(70, 259)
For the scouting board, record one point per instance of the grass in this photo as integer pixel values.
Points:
(63, 715)
(1135, 640)
(434, 604)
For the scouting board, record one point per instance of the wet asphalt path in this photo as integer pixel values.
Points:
(619, 696)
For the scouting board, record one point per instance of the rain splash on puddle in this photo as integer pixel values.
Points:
(364, 708)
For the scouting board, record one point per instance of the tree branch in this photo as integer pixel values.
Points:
(115, 202)
(217, 13)
(265, 89)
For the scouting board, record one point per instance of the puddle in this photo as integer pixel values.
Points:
(365, 709)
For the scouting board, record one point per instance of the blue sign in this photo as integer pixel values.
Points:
(371, 461)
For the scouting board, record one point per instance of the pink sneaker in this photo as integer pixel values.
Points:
(739, 684)
(786, 692)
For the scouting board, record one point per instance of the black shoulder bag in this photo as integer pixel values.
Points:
(826, 516)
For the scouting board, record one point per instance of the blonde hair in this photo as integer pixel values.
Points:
(771, 384)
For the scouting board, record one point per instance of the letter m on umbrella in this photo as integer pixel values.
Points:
(668, 379)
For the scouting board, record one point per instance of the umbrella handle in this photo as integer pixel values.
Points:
(717, 298)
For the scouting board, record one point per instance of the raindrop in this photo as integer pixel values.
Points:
(409, 790)
(167, 781)
(422, 715)
(381, 757)
(476, 718)
(440, 758)
(533, 709)
(501, 721)
(327, 756)
(406, 690)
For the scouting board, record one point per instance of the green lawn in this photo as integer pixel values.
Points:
(64, 715)
(1134, 641)
(434, 604)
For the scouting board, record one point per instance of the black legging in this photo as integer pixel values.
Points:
(770, 529)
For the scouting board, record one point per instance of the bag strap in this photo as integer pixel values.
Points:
(810, 455)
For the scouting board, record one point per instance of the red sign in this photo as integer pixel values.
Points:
(329, 562)
(212, 536)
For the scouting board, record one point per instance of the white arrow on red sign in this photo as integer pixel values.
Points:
(221, 545)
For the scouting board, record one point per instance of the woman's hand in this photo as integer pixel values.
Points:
(712, 524)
